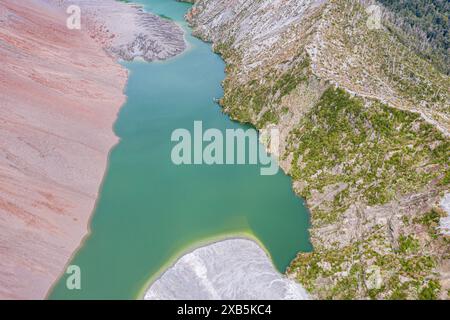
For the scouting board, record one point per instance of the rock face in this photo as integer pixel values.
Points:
(59, 96)
(363, 122)
(232, 270)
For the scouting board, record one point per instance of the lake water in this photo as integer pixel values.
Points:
(151, 211)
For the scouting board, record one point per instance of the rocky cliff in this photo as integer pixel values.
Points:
(60, 91)
(364, 122)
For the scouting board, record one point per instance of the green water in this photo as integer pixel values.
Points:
(149, 210)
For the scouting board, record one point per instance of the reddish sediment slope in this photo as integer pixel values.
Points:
(59, 97)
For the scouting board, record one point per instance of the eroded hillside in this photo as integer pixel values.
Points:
(364, 121)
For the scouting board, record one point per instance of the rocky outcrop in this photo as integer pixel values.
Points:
(364, 128)
(234, 269)
(59, 96)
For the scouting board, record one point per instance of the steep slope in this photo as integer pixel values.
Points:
(364, 122)
(59, 96)
(426, 25)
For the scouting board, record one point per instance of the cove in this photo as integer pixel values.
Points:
(149, 210)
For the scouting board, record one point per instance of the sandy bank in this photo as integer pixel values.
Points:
(60, 92)
(230, 269)
(126, 31)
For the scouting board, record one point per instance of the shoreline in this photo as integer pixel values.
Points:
(89, 223)
(119, 61)
(53, 173)
(208, 241)
(60, 135)
(335, 235)
(185, 249)
(205, 242)
(252, 246)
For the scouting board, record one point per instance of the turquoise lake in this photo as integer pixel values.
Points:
(151, 211)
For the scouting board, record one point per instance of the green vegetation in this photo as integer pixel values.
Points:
(428, 22)
(347, 153)
(430, 220)
(408, 244)
(430, 291)
(379, 152)
(403, 274)
(257, 101)
(383, 63)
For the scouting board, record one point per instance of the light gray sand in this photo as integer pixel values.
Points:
(127, 32)
(235, 269)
